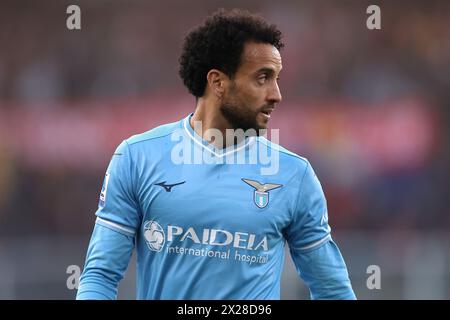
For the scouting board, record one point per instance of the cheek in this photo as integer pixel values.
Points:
(252, 97)
(256, 100)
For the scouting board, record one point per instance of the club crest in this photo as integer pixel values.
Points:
(261, 194)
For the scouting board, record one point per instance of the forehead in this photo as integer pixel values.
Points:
(260, 55)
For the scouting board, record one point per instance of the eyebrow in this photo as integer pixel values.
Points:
(266, 70)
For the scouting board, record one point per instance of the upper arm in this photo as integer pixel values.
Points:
(309, 226)
(118, 207)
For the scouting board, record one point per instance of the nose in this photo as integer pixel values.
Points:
(274, 94)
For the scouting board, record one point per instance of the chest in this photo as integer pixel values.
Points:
(232, 199)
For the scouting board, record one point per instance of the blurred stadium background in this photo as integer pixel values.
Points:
(370, 109)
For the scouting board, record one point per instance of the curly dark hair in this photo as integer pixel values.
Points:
(218, 44)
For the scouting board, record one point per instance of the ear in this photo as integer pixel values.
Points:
(217, 81)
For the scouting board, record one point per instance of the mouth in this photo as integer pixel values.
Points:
(266, 112)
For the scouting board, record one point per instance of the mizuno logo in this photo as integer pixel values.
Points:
(261, 194)
(168, 187)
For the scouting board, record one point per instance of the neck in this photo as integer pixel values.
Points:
(207, 117)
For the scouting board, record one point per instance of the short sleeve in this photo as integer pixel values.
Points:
(309, 227)
(118, 208)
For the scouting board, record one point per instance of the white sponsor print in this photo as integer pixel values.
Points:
(154, 235)
(183, 241)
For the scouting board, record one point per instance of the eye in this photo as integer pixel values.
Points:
(262, 78)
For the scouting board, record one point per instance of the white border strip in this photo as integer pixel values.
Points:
(212, 151)
(317, 243)
(114, 225)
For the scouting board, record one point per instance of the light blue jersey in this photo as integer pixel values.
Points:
(209, 229)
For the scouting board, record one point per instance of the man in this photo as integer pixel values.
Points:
(215, 228)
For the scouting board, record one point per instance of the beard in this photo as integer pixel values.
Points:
(240, 116)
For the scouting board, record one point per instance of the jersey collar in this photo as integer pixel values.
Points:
(207, 146)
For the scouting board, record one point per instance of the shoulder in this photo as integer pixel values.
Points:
(159, 132)
(149, 141)
(285, 155)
